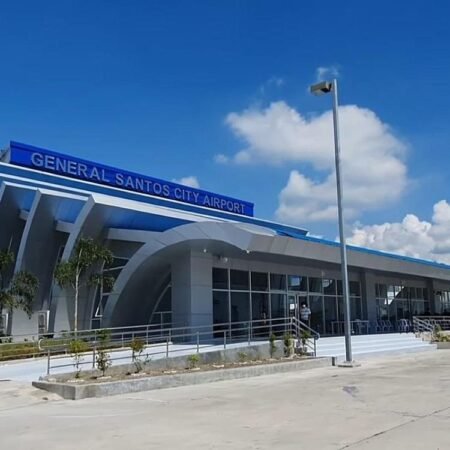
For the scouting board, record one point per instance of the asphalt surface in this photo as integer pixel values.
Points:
(397, 402)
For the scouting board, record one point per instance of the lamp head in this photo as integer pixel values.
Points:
(324, 87)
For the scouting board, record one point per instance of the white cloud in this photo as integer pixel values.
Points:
(276, 82)
(374, 173)
(410, 237)
(189, 181)
(325, 73)
(221, 158)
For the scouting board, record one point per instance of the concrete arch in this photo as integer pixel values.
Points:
(40, 245)
(154, 258)
(61, 309)
(13, 199)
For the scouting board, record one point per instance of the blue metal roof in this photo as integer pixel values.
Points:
(32, 177)
(139, 220)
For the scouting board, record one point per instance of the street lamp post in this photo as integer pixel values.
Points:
(326, 87)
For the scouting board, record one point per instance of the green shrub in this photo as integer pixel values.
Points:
(103, 358)
(242, 357)
(137, 347)
(23, 350)
(273, 347)
(304, 337)
(193, 360)
(288, 343)
(76, 348)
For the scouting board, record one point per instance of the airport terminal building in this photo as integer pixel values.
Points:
(185, 256)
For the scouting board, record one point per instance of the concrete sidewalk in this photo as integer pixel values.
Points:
(387, 403)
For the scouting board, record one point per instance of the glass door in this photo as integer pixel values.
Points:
(294, 303)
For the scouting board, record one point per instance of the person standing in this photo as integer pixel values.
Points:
(305, 314)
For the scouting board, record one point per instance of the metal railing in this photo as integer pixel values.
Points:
(305, 335)
(428, 324)
(38, 345)
(168, 343)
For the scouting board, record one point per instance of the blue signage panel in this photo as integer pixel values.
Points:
(49, 161)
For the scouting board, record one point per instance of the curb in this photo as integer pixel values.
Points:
(95, 390)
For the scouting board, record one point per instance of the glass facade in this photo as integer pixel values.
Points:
(101, 295)
(240, 295)
(395, 302)
(443, 303)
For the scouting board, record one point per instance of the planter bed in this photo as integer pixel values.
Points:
(158, 379)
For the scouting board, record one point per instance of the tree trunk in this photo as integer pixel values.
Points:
(75, 313)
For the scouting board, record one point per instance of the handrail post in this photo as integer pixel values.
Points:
(225, 340)
(198, 342)
(48, 362)
(249, 332)
(167, 348)
(93, 357)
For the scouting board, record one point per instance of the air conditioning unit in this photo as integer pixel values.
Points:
(4, 318)
(43, 317)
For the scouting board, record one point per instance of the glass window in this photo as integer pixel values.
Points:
(220, 278)
(239, 280)
(356, 308)
(260, 281)
(329, 287)
(390, 293)
(316, 307)
(341, 314)
(116, 262)
(260, 306)
(330, 313)
(339, 287)
(315, 285)
(418, 307)
(240, 312)
(240, 306)
(297, 283)
(260, 313)
(381, 290)
(402, 309)
(114, 273)
(220, 307)
(382, 309)
(278, 304)
(277, 282)
(166, 301)
(355, 288)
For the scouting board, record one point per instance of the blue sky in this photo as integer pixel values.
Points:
(149, 86)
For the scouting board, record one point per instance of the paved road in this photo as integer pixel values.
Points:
(390, 403)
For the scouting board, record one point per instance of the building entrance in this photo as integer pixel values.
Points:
(294, 303)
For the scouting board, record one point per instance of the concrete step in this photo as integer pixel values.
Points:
(386, 346)
(378, 353)
(373, 344)
(372, 337)
(369, 341)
